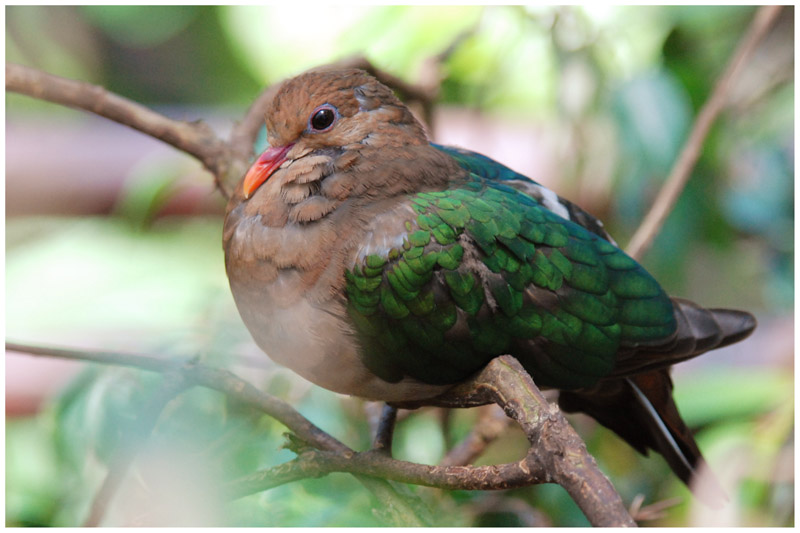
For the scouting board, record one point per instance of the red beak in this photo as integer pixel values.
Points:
(263, 168)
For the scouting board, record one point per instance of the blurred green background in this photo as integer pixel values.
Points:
(113, 241)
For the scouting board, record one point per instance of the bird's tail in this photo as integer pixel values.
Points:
(636, 402)
(640, 409)
(699, 330)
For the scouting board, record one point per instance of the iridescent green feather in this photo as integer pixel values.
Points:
(560, 298)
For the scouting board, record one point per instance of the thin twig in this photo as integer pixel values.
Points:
(399, 507)
(654, 511)
(681, 170)
(244, 135)
(213, 378)
(194, 138)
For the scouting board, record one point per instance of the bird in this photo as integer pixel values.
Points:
(378, 264)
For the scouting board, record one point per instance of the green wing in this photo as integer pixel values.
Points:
(485, 270)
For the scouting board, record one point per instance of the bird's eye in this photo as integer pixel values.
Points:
(322, 118)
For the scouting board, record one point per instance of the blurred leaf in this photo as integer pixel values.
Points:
(140, 26)
(31, 463)
(147, 189)
(419, 439)
(654, 115)
(277, 41)
(401, 37)
(96, 275)
(710, 396)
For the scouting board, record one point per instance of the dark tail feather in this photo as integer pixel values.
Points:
(635, 401)
(699, 330)
(640, 409)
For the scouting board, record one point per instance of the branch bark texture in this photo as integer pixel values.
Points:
(557, 454)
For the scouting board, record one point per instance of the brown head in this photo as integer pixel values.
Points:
(327, 112)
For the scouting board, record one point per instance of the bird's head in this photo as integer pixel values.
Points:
(326, 113)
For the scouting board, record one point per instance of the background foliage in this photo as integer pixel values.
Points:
(113, 242)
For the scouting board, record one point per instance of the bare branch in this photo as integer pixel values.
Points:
(195, 138)
(681, 170)
(397, 506)
(374, 464)
(557, 454)
(226, 160)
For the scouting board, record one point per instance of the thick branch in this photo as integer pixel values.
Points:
(555, 447)
(681, 170)
(195, 138)
(560, 450)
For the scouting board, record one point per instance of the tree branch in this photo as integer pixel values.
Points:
(410, 91)
(557, 454)
(681, 170)
(555, 447)
(244, 134)
(195, 139)
(399, 507)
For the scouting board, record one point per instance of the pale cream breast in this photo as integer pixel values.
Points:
(293, 321)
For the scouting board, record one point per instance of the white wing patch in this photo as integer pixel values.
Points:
(550, 200)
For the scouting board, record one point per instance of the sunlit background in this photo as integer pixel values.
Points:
(113, 241)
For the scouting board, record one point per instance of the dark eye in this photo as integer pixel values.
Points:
(322, 118)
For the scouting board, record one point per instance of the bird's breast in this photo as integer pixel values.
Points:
(288, 285)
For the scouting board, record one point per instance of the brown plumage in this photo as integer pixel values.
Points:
(376, 264)
(286, 273)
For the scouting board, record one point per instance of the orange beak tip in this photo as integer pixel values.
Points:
(253, 179)
(262, 169)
